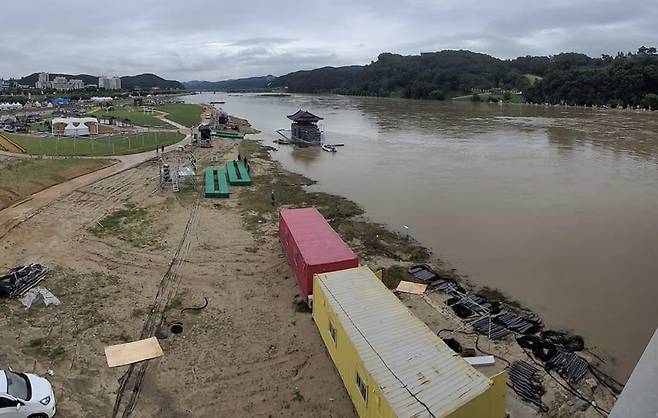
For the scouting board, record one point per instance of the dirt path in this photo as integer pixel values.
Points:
(248, 354)
(9, 145)
(23, 210)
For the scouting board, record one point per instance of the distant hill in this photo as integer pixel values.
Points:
(143, 81)
(149, 81)
(432, 75)
(570, 78)
(250, 83)
(321, 80)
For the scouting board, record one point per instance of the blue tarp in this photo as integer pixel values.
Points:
(60, 101)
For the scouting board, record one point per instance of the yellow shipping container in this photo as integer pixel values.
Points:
(391, 363)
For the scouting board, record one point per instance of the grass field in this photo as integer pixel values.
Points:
(532, 78)
(104, 145)
(135, 115)
(185, 114)
(21, 178)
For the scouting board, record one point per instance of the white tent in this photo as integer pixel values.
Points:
(74, 127)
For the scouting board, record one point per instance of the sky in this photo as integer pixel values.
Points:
(217, 40)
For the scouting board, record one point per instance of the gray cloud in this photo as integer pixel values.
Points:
(204, 39)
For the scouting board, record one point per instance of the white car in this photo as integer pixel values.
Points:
(24, 395)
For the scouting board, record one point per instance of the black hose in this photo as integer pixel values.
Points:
(196, 308)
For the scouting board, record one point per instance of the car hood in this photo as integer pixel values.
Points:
(40, 387)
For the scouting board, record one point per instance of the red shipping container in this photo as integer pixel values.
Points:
(312, 246)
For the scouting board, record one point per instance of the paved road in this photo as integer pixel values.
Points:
(21, 211)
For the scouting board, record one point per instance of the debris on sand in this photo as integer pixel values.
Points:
(39, 293)
(123, 354)
(21, 279)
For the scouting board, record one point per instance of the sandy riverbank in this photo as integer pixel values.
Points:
(113, 245)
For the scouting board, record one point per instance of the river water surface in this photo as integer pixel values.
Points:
(556, 207)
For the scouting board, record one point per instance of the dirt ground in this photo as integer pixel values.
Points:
(22, 177)
(249, 353)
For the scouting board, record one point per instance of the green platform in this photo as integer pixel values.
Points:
(215, 182)
(237, 174)
(228, 134)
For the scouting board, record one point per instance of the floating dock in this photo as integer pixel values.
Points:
(228, 134)
(237, 173)
(215, 183)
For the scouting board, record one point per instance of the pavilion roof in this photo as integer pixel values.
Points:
(304, 116)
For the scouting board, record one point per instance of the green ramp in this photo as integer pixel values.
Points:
(237, 174)
(228, 134)
(215, 182)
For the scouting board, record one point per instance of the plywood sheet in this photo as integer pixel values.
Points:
(411, 287)
(122, 354)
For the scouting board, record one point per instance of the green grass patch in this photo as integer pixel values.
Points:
(136, 116)
(243, 125)
(176, 302)
(96, 146)
(392, 276)
(185, 114)
(39, 127)
(533, 78)
(130, 224)
(21, 178)
(301, 306)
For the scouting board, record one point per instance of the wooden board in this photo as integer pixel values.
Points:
(122, 354)
(411, 287)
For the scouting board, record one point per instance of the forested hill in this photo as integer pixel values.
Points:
(623, 80)
(434, 75)
(627, 79)
(149, 81)
(250, 83)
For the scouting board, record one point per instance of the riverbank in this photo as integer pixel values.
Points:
(383, 249)
(132, 242)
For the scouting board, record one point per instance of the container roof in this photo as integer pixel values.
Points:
(304, 116)
(316, 240)
(403, 356)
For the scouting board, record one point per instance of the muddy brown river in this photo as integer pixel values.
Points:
(556, 207)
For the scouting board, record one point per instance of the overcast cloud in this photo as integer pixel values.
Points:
(215, 40)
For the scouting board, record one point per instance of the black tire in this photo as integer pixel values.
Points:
(38, 416)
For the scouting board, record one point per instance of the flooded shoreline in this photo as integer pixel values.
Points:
(552, 206)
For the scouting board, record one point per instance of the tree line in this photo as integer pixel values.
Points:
(628, 79)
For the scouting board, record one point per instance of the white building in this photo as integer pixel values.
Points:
(60, 83)
(63, 84)
(76, 84)
(101, 100)
(109, 83)
(44, 81)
